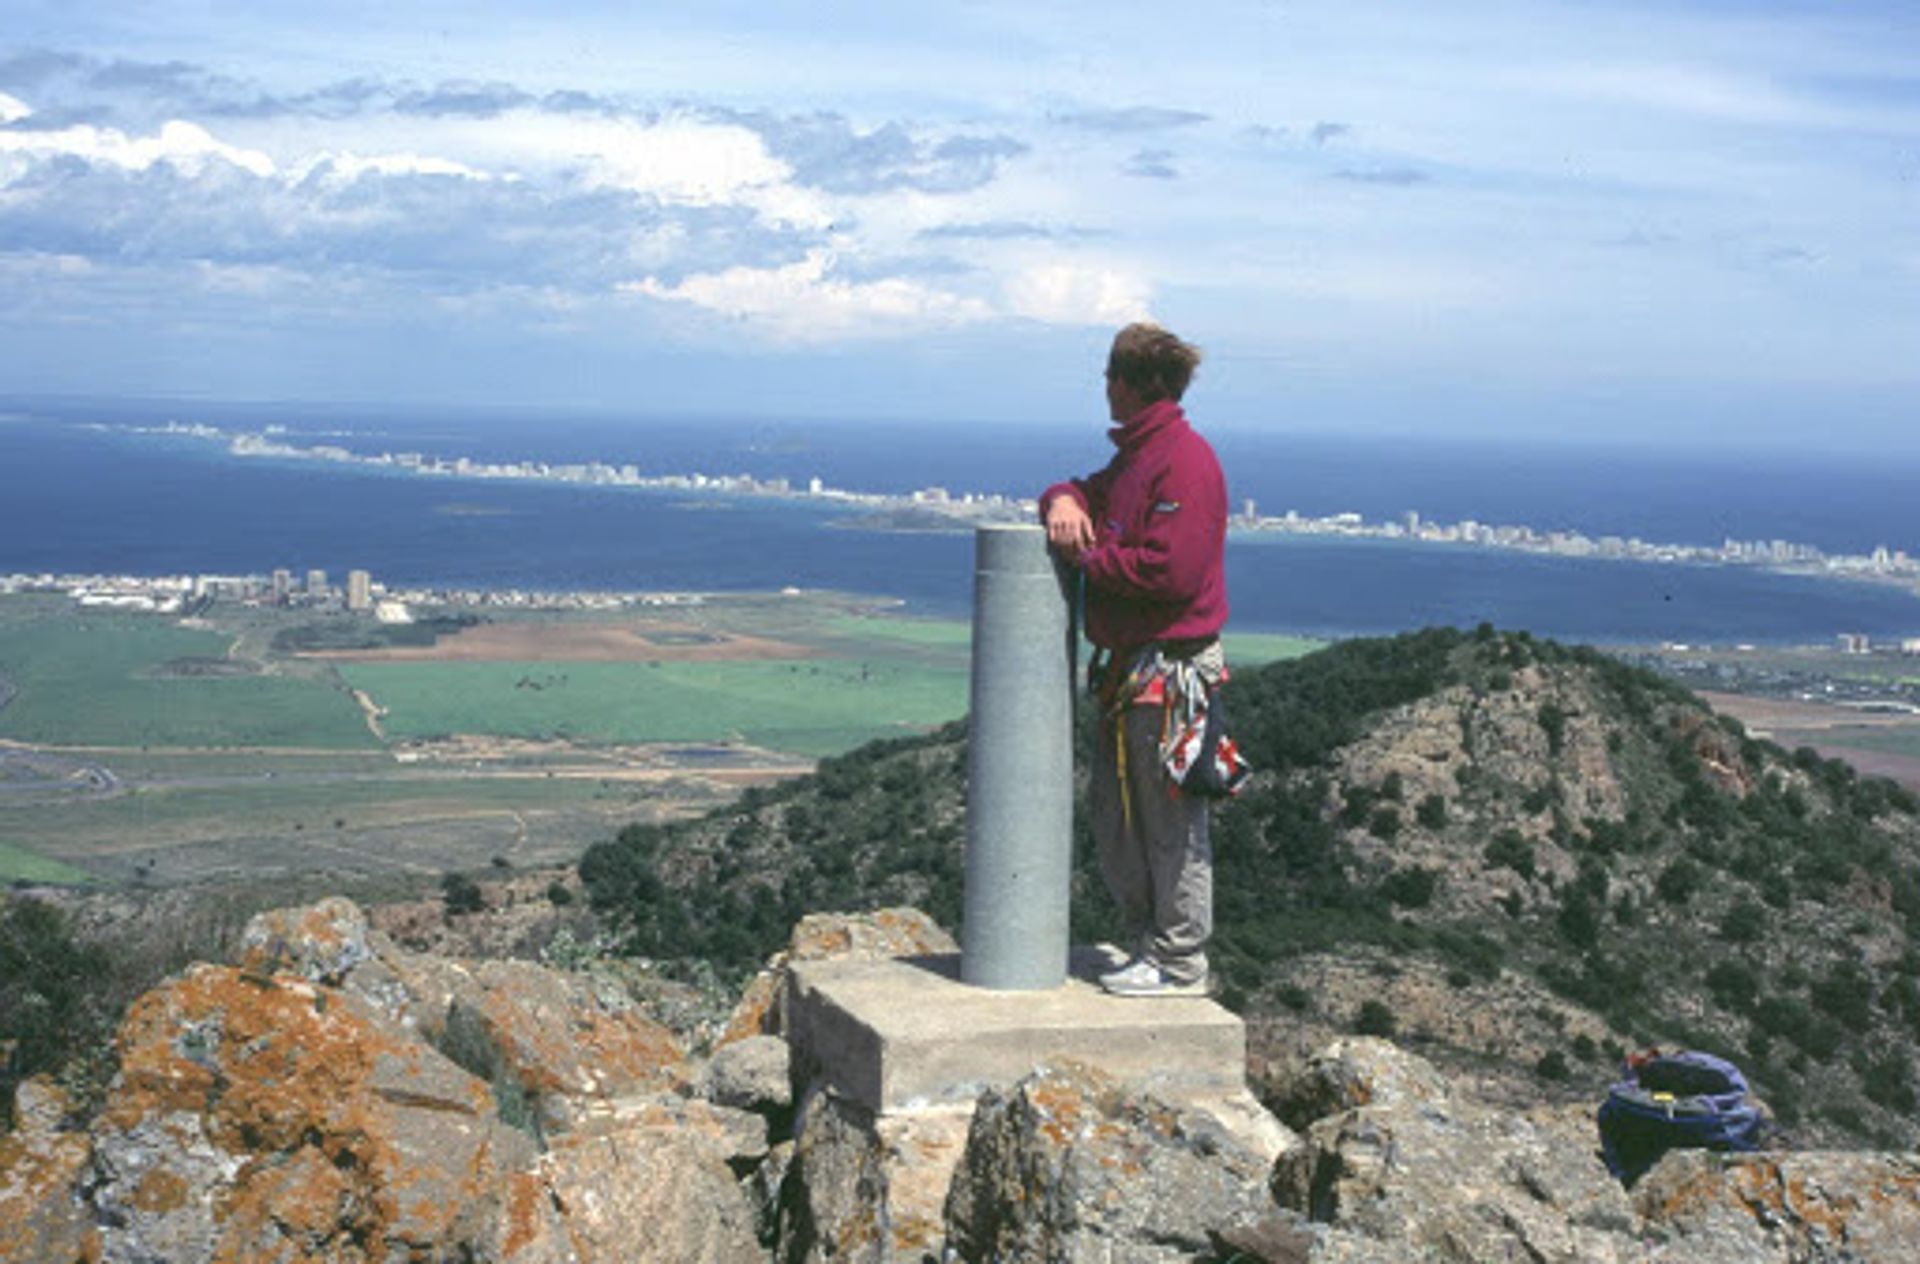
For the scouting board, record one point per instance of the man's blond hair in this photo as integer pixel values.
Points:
(1152, 361)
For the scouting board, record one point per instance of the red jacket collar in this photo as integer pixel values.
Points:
(1162, 414)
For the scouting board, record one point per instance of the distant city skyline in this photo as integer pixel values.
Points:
(1680, 223)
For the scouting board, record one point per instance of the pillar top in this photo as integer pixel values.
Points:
(1011, 546)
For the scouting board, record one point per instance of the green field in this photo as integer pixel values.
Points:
(943, 634)
(88, 679)
(393, 824)
(219, 756)
(1904, 740)
(18, 865)
(161, 815)
(1250, 649)
(812, 706)
(1246, 648)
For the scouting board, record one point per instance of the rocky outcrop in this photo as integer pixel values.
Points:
(550, 1043)
(1402, 1159)
(751, 1074)
(311, 1104)
(261, 1117)
(865, 1187)
(1071, 1165)
(294, 1108)
(41, 1215)
(1731, 1209)
(888, 932)
(319, 942)
(561, 1040)
(652, 1188)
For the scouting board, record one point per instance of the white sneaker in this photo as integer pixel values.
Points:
(1141, 977)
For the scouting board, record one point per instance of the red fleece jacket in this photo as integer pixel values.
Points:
(1156, 571)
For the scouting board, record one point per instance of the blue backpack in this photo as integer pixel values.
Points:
(1675, 1101)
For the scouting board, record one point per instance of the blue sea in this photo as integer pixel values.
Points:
(80, 492)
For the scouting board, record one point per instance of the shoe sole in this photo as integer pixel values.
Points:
(1164, 989)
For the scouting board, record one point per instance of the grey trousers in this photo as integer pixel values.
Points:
(1154, 850)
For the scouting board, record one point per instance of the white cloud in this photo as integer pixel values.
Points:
(12, 109)
(803, 302)
(186, 146)
(806, 302)
(677, 160)
(1070, 294)
(347, 166)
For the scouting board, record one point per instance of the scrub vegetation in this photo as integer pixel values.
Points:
(1584, 826)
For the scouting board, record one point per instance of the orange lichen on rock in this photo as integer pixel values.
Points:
(260, 1116)
(1815, 1202)
(40, 1216)
(264, 1060)
(757, 1011)
(318, 941)
(888, 932)
(526, 1199)
(557, 1038)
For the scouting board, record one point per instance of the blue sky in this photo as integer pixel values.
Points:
(1669, 223)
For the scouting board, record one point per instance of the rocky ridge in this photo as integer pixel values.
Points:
(1522, 858)
(331, 1096)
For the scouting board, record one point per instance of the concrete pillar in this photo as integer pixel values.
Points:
(1019, 766)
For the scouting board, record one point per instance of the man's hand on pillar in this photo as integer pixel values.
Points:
(1068, 528)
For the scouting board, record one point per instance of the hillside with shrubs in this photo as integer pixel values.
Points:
(1521, 857)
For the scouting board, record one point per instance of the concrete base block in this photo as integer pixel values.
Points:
(905, 1033)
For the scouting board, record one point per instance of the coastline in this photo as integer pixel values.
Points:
(937, 510)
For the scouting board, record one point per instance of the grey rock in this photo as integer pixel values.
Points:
(751, 1074)
(158, 1184)
(1360, 1071)
(1706, 1208)
(1073, 1165)
(867, 1188)
(1417, 1167)
(263, 1117)
(42, 1216)
(888, 932)
(1286, 1237)
(763, 1186)
(726, 1134)
(648, 1193)
(320, 942)
(39, 1106)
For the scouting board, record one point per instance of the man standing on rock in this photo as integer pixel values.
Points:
(1149, 533)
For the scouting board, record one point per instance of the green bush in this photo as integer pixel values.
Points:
(1410, 888)
(461, 893)
(52, 1006)
(1734, 984)
(1553, 720)
(1375, 1019)
(1579, 921)
(1888, 1081)
(1679, 881)
(1510, 850)
(1847, 994)
(1744, 923)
